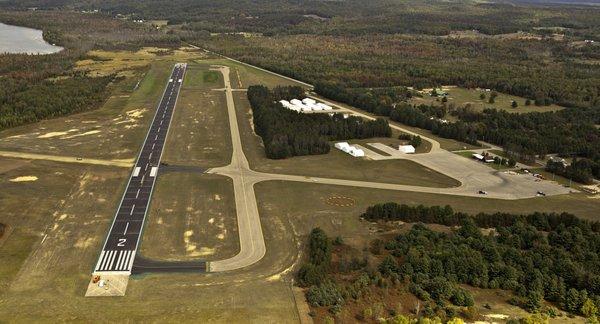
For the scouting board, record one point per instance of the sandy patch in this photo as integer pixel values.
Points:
(136, 113)
(82, 134)
(203, 252)
(217, 197)
(189, 247)
(83, 243)
(55, 134)
(211, 221)
(159, 221)
(62, 217)
(221, 236)
(24, 179)
(497, 316)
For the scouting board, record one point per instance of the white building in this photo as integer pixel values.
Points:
(341, 145)
(308, 101)
(407, 149)
(356, 152)
(324, 106)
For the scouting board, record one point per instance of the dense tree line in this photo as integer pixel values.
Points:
(553, 257)
(51, 99)
(422, 116)
(508, 66)
(332, 17)
(447, 216)
(580, 170)
(286, 133)
(334, 284)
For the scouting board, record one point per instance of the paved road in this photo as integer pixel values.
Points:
(143, 265)
(252, 243)
(121, 244)
(472, 175)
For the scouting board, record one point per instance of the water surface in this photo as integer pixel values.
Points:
(15, 39)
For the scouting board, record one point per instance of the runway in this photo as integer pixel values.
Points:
(120, 247)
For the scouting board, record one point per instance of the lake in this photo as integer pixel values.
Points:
(15, 39)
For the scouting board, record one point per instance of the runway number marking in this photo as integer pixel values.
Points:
(118, 252)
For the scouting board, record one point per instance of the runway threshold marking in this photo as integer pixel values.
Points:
(121, 244)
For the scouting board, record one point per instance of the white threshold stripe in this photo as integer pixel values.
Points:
(126, 260)
(119, 260)
(114, 255)
(106, 257)
(130, 265)
(100, 260)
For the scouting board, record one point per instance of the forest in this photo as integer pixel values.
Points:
(287, 133)
(549, 261)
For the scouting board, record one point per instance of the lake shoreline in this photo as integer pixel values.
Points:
(24, 40)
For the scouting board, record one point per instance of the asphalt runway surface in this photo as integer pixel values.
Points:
(143, 265)
(120, 247)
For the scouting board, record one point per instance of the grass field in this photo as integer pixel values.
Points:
(192, 216)
(243, 76)
(462, 96)
(198, 76)
(335, 164)
(75, 213)
(114, 131)
(199, 133)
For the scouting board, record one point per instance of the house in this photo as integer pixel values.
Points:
(557, 159)
(406, 149)
(483, 157)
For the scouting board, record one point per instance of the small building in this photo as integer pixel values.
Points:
(356, 152)
(324, 106)
(308, 101)
(483, 158)
(557, 159)
(342, 145)
(406, 149)
(296, 102)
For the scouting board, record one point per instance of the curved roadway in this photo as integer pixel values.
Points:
(473, 176)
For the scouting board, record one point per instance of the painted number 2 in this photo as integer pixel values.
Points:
(121, 242)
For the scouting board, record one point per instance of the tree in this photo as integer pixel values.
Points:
(482, 96)
(589, 309)
(514, 104)
(527, 102)
(416, 141)
(388, 266)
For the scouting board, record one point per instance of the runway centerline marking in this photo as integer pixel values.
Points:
(121, 244)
